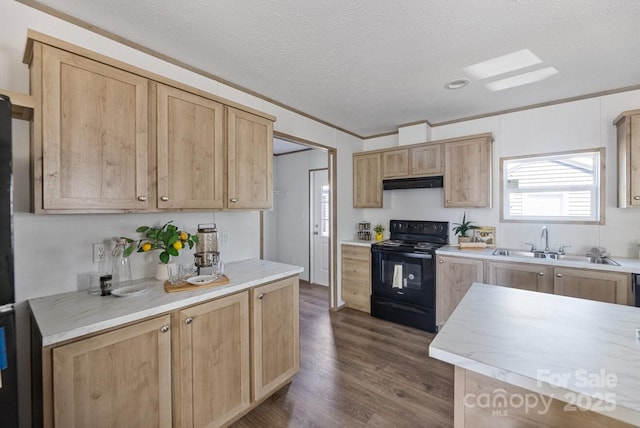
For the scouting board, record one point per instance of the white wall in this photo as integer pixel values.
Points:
(289, 242)
(569, 126)
(51, 251)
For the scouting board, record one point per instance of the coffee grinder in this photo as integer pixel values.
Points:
(207, 254)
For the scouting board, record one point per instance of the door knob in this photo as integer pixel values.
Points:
(164, 198)
(142, 198)
(261, 296)
(559, 275)
(188, 320)
(164, 329)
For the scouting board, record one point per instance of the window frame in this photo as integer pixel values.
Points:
(601, 188)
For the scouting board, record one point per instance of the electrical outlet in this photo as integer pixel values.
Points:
(99, 253)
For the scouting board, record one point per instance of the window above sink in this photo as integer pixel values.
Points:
(565, 187)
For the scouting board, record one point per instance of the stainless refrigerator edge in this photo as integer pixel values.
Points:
(8, 359)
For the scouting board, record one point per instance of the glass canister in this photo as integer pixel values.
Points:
(121, 272)
(207, 238)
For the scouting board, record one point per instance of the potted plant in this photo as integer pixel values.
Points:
(462, 228)
(378, 229)
(168, 238)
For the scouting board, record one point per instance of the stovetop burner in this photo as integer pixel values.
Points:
(418, 236)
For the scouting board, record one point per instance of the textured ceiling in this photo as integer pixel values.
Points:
(368, 66)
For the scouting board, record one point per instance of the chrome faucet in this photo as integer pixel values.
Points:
(545, 235)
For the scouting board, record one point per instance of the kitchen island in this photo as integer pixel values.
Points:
(534, 359)
(202, 357)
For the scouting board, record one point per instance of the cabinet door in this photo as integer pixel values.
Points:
(356, 277)
(454, 276)
(524, 276)
(116, 379)
(250, 160)
(426, 160)
(367, 180)
(611, 287)
(94, 137)
(629, 160)
(189, 150)
(275, 342)
(213, 361)
(395, 163)
(467, 176)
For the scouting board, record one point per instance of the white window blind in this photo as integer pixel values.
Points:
(555, 187)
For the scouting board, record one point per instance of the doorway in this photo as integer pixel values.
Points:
(287, 228)
(319, 226)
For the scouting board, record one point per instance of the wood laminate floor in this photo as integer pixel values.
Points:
(358, 371)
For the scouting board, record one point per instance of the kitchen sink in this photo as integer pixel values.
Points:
(555, 256)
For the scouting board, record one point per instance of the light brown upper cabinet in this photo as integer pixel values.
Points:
(467, 175)
(417, 161)
(367, 180)
(190, 156)
(249, 160)
(110, 137)
(628, 126)
(90, 136)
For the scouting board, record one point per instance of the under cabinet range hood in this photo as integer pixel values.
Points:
(413, 183)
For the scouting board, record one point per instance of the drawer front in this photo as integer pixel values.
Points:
(356, 269)
(356, 296)
(356, 252)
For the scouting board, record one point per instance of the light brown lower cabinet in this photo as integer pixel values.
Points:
(200, 366)
(117, 379)
(356, 277)
(603, 286)
(275, 335)
(454, 276)
(525, 276)
(212, 362)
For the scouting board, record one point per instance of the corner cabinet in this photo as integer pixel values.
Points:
(190, 158)
(367, 180)
(467, 175)
(628, 132)
(275, 311)
(110, 138)
(120, 378)
(454, 276)
(90, 138)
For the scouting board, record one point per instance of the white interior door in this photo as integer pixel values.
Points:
(320, 226)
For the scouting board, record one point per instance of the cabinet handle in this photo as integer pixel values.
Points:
(261, 296)
(414, 170)
(234, 199)
(540, 273)
(448, 201)
(636, 198)
(559, 275)
(142, 198)
(164, 329)
(441, 261)
(188, 320)
(164, 198)
(404, 170)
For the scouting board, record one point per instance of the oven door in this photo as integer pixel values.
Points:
(403, 276)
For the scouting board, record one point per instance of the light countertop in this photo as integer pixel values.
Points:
(548, 344)
(358, 243)
(65, 316)
(626, 265)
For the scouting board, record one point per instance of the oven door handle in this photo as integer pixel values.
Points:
(402, 253)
